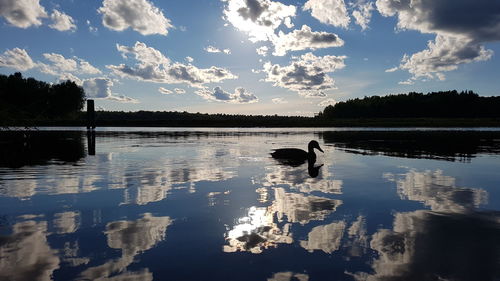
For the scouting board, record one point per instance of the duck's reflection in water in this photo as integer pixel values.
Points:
(314, 179)
(132, 237)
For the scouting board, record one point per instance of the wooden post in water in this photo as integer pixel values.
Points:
(90, 115)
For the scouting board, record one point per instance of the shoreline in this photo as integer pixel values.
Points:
(304, 123)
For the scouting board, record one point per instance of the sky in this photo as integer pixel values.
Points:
(252, 56)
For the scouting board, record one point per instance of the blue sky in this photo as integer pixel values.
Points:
(202, 56)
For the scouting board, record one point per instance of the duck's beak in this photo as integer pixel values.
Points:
(319, 148)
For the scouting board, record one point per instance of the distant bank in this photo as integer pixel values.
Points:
(138, 119)
(32, 103)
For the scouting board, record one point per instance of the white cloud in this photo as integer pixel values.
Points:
(461, 27)
(59, 65)
(407, 82)
(327, 102)
(362, 15)
(279, 101)
(87, 68)
(68, 76)
(262, 51)
(140, 15)
(303, 39)
(240, 95)
(91, 28)
(288, 22)
(189, 59)
(443, 54)
(179, 91)
(169, 92)
(212, 49)
(258, 18)
(165, 91)
(306, 75)
(22, 13)
(333, 12)
(62, 21)
(100, 88)
(153, 66)
(17, 59)
(392, 69)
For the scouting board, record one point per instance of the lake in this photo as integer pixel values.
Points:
(211, 204)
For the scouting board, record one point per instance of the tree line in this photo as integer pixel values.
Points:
(180, 119)
(29, 99)
(443, 104)
(29, 102)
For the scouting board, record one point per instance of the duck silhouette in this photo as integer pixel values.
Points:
(296, 156)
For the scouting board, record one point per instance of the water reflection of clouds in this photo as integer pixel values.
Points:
(453, 241)
(288, 276)
(300, 208)
(143, 180)
(26, 254)
(259, 230)
(256, 232)
(437, 191)
(132, 238)
(298, 178)
(66, 222)
(325, 237)
(425, 245)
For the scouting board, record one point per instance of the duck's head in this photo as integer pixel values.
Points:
(314, 144)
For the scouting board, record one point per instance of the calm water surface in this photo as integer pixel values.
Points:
(211, 204)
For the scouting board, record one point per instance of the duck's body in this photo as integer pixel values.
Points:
(295, 155)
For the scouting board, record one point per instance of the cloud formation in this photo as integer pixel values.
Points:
(17, 59)
(153, 66)
(258, 18)
(139, 15)
(443, 54)
(239, 96)
(303, 39)
(363, 14)
(212, 49)
(333, 12)
(261, 19)
(62, 21)
(306, 75)
(279, 101)
(59, 65)
(327, 102)
(165, 91)
(262, 51)
(100, 88)
(169, 92)
(22, 13)
(461, 27)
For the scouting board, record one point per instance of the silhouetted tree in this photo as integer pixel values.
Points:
(448, 104)
(22, 98)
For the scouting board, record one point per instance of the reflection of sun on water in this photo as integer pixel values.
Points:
(256, 232)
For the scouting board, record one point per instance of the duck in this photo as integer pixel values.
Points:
(297, 156)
